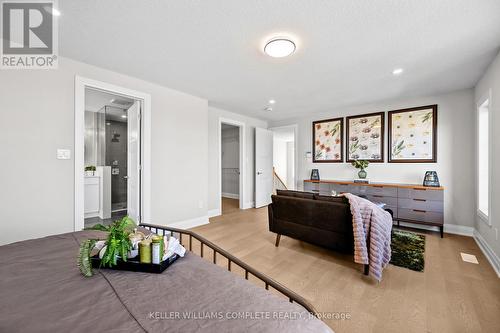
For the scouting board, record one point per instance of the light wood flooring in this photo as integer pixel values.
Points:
(449, 296)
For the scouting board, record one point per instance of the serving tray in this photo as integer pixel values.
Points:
(134, 265)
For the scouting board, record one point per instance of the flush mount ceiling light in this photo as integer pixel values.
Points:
(397, 71)
(272, 101)
(279, 47)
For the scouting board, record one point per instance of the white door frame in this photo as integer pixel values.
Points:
(295, 128)
(80, 84)
(242, 142)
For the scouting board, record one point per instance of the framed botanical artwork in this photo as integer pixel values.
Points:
(365, 137)
(327, 140)
(413, 135)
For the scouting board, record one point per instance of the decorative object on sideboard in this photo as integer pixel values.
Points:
(365, 137)
(327, 142)
(90, 170)
(362, 165)
(314, 174)
(431, 179)
(413, 135)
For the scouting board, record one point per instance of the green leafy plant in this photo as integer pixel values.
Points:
(117, 245)
(360, 164)
(84, 262)
(90, 168)
(118, 242)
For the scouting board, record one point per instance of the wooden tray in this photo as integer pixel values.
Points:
(135, 266)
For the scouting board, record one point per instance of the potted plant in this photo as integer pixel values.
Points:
(90, 170)
(362, 165)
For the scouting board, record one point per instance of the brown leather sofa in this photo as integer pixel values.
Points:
(313, 218)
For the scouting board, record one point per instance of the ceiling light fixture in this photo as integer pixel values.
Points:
(124, 116)
(397, 71)
(279, 47)
(272, 101)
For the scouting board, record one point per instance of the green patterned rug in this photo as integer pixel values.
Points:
(408, 250)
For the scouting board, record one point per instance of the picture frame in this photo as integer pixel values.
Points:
(365, 136)
(412, 135)
(327, 140)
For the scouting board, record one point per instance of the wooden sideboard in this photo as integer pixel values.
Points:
(407, 202)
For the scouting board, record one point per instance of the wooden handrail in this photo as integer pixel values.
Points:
(279, 178)
(292, 296)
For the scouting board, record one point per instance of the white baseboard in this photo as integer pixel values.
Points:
(448, 228)
(230, 195)
(488, 252)
(191, 223)
(213, 213)
(248, 205)
(459, 230)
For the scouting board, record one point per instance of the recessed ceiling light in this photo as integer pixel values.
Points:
(279, 47)
(272, 101)
(124, 116)
(398, 71)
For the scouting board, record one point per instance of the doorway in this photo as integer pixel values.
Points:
(231, 166)
(112, 154)
(284, 157)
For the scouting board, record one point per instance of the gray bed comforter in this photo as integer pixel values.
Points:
(42, 290)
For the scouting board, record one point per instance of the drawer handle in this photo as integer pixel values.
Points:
(419, 211)
(423, 200)
(419, 189)
(378, 196)
(378, 186)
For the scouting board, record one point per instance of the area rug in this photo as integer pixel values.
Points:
(408, 250)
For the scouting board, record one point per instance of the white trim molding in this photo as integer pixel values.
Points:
(191, 223)
(80, 84)
(458, 230)
(214, 213)
(488, 252)
(230, 195)
(248, 205)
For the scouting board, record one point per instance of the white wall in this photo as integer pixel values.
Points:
(37, 117)
(290, 165)
(214, 114)
(230, 162)
(491, 80)
(455, 151)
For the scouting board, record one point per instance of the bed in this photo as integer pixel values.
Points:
(43, 291)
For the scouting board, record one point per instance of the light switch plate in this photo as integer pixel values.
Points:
(63, 154)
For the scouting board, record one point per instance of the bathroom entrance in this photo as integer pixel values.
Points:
(111, 157)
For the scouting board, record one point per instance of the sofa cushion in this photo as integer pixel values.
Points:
(295, 194)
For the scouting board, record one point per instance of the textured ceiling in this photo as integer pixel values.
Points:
(346, 49)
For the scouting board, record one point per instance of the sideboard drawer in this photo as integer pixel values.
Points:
(421, 204)
(390, 201)
(420, 215)
(424, 194)
(382, 190)
(311, 187)
(341, 188)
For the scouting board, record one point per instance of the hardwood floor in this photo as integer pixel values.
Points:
(449, 296)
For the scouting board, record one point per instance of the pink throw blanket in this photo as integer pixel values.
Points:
(372, 230)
